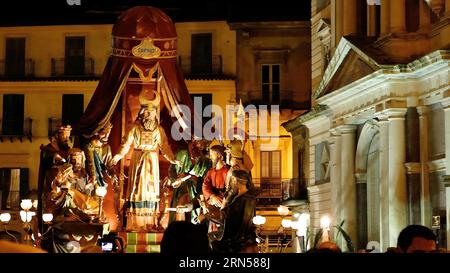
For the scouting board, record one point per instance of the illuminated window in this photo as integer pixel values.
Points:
(271, 164)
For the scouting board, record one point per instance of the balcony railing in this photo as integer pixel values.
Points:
(68, 68)
(207, 68)
(9, 131)
(16, 71)
(280, 191)
(283, 98)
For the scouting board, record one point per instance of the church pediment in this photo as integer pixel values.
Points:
(347, 65)
(352, 69)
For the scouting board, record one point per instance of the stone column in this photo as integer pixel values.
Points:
(447, 206)
(424, 20)
(446, 106)
(336, 22)
(396, 174)
(361, 201)
(398, 16)
(424, 177)
(447, 7)
(383, 124)
(350, 24)
(413, 165)
(385, 17)
(335, 176)
(371, 14)
(348, 185)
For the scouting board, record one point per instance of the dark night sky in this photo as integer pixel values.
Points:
(48, 12)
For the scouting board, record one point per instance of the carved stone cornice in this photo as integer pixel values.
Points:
(316, 110)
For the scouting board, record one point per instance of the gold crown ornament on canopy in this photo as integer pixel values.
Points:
(144, 33)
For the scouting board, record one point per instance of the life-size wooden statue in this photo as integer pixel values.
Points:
(148, 139)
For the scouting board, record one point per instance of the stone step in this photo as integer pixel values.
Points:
(142, 249)
(141, 238)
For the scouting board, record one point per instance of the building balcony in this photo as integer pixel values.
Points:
(17, 70)
(80, 67)
(283, 98)
(274, 192)
(12, 129)
(202, 69)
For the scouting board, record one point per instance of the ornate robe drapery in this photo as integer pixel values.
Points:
(143, 178)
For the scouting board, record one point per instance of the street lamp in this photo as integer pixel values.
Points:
(5, 218)
(26, 216)
(301, 227)
(26, 204)
(47, 217)
(100, 192)
(283, 211)
(259, 220)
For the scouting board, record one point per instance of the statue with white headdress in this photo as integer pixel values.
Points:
(148, 139)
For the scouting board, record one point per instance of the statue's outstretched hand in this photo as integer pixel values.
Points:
(176, 162)
(115, 159)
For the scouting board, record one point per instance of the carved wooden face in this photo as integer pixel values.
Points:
(103, 135)
(63, 136)
(77, 160)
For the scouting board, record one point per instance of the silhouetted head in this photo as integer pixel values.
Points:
(183, 237)
(416, 238)
(329, 246)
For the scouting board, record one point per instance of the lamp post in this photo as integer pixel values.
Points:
(285, 224)
(283, 211)
(100, 192)
(5, 218)
(26, 216)
(301, 229)
(259, 220)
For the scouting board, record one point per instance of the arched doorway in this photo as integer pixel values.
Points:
(367, 172)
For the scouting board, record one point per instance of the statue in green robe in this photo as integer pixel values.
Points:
(186, 179)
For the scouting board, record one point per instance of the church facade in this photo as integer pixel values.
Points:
(375, 145)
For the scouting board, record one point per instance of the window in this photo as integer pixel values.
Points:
(271, 164)
(14, 186)
(74, 57)
(206, 99)
(72, 108)
(270, 82)
(13, 114)
(15, 57)
(201, 53)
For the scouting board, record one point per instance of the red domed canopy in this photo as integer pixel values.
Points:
(144, 22)
(144, 42)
